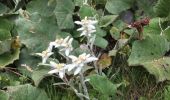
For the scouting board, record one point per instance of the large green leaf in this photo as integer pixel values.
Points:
(117, 6)
(106, 20)
(148, 49)
(63, 12)
(39, 74)
(100, 42)
(26, 92)
(160, 68)
(5, 46)
(87, 11)
(4, 35)
(5, 24)
(3, 8)
(162, 8)
(4, 95)
(103, 85)
(146, 6)
(153, 27)
(37, 32)
(9, 57)
(29, 60)
(43, 7)
(166, 93)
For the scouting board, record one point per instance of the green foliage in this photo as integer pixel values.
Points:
(8, 58)
(152, 59)
(162, 8)
(3, 95)
(37, 30)
(103, 85)
(3, 8)
(38, 22)
(142, 50)
(87, 11)
(113, 6)
(106, 20)
(43, 7)
(63, 11)
(26, 92)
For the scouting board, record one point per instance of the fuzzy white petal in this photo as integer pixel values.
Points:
(39, 54)
(44, 60)
(52, 64)
(70, 67)
(49, 54)
(53, 71)
(80, 29)
(70, 41)
(73, 58)
(67, 52)
(61, 74)
(78, 70)
(90, 59)
(91, 27)
(83, 33)
(78, 22)
(93, 22)
(66, 39)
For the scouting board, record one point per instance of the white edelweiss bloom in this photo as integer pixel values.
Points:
(78, 62)
(87, 26)
(45, 55)
(57, 68)
(58, 43)
(67, 46)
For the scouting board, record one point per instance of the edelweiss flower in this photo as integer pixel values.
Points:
(57, 68)
(45, 55)
(66, 45)
(87, 26)
(78, 62)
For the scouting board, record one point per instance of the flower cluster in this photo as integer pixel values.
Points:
(87, 26)
(78, 62)
(65, 45)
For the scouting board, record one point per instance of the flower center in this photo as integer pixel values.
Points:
(59, 66)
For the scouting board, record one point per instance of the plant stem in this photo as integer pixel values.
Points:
(84, 86)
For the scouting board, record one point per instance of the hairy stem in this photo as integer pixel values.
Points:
(84, 86)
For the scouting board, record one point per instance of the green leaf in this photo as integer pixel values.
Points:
(29, 60)
(166, 33)
(5, 24)
(39, 74)
(4, 35)
(100, 32)
(166, 93)
(26, 92)
(4, 95)
(8, 58)
(63, 12)
(43, 7)
(117, 6)
(153, 27)
(5, 46)
(146, 6)
(87, 11)
(160, 68)
(37, 34)
(162, 8)
(3, 8)
(78, 2)
(102, 84)
(148, 49)
(100, 42)
(106, 20)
